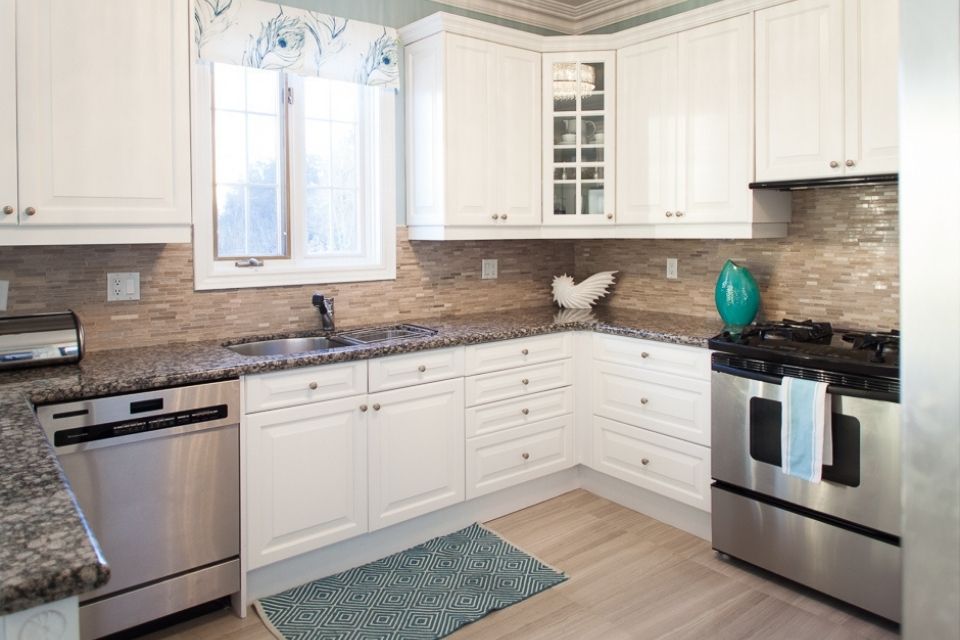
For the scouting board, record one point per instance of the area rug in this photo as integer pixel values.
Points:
(428, 591)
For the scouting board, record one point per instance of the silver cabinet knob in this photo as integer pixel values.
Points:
(609, 216)
(376, 406)
(525, 351)
(679, 214)
(313, 386)
(644, 354)
(422, 368)
(525, 411)
(850, 163)
(503, 216)
(30, 211)
(524, 382)
(834, 164)
(645, 461)
(644, 400)
(8, 209)
(525, 456)
(363, 407)
(669, 214)
(495, 216)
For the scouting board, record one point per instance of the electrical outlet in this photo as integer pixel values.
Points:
(671, 268)
(488, 269)
(4, 290)
(123, 286)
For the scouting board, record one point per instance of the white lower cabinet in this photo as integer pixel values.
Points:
(669, 466)
(307, 478)
(416, 451)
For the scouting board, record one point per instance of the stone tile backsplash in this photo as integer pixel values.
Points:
(839, 262)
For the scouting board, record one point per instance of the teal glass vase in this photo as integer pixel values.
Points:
(737, 296)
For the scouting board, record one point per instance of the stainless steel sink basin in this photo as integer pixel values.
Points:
(285, 346)
(381, 334)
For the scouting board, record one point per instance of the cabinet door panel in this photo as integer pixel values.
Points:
(870, 78)
(104, 112)
(515, 128)
(647, 113)
(307, 478)
(714, 133)
(799, 90)
(416, 451)
(470, 86)
(424, 142)
(8, 114)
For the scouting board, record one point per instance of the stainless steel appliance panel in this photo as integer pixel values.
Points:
(40, 339)
(860, 570)
(873, 503)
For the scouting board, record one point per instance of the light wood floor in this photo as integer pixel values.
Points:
(630, 577)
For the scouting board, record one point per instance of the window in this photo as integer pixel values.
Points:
(297, 183)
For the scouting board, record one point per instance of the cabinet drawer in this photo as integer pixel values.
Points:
(415, 368)
(518, 382)
(265, 391)
(671, 405)
(497, 416)
(653, 356)
(674, 468)
(495, 356)
(510, 457)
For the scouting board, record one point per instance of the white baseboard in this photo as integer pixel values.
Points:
(344, 555)
(676, 514)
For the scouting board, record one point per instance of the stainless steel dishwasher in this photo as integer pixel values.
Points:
(157, 475)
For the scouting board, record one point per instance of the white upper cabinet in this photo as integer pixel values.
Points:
(8, 116)
(686, 149)
(473, 139)
(826, 89)
(579, 133)
(102, 120)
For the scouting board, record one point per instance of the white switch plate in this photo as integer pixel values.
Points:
(488, 269)
(123, 286)
(671, 268)
(4, 290)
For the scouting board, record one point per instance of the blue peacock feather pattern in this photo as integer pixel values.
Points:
(380, 62)
(211, 18)
(279, 44)
(327, 32)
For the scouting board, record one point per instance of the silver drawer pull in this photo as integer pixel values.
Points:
(644, 400)
(313, 386)
(495, 216)
(525, 456)
(524, 382)
(376, 406)
(30, 211)
(645, 461)
(644, 354)
(525, 351)
(525, 411)
(422, 368)
(8, 210)
(363, 407)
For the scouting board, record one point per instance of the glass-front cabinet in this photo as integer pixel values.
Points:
(578, 135)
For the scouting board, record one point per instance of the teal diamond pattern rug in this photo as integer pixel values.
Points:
(425, 592)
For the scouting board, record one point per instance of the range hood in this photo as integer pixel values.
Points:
(826, 183)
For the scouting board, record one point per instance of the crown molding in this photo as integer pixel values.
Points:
(561, 17)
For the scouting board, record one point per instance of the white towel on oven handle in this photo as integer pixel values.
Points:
(806, 434)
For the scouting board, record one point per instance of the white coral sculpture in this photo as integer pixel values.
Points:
(583, 295)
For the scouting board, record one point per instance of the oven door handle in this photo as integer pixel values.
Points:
(831, 389)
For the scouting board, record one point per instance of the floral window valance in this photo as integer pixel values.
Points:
(271, 36)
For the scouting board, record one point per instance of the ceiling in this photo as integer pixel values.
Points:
(565, 16)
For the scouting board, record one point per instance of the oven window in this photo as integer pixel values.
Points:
(765, 441)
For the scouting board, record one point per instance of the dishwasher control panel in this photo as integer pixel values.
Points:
(80, 435)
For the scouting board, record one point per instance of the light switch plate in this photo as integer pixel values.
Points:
(488, 269)
(671, 268)
(123, 286)
(4, 290)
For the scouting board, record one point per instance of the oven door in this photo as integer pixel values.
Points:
(863, 484)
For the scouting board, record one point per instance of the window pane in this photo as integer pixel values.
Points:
(230, 221)
(344, 101)
(263, 233)
(344, 141)
(316, 98)
(344, 221)
(263, 91)
(317, 143)
(318, 221)
(228, 86)
(231, 149)
(262, 149)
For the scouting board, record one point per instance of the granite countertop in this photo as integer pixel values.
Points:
(46, 549)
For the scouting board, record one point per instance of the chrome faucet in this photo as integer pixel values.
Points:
(324, 305)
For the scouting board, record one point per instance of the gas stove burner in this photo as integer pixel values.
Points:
(794, 331)
(877, 342)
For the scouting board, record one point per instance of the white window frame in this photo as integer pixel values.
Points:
(378, 194)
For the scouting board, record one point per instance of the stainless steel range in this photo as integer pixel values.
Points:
(840, 536)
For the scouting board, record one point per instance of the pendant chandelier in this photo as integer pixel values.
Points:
(566, 79)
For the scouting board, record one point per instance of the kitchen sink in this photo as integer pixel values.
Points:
(286, 346)
(381, 334)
